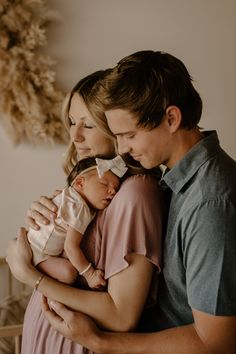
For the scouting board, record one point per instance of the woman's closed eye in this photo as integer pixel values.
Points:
(71, 121)
(81, 122)
(87, 126)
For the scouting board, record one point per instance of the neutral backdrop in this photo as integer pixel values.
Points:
(95, 34)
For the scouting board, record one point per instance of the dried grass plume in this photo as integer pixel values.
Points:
(30, 103)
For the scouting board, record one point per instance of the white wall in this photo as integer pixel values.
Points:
(95, 34)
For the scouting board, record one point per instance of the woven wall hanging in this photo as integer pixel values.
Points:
(30, 102)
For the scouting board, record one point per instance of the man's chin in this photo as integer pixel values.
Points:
(147, 165)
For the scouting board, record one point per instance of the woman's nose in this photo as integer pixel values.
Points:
(76, 134)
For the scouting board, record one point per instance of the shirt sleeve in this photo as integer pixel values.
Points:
(132, 224)
(74, 211)
(210, 257)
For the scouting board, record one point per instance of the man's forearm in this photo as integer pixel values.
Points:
(178, 340)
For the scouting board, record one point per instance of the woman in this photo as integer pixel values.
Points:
(124, 240)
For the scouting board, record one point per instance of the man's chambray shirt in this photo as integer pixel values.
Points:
(199, 269)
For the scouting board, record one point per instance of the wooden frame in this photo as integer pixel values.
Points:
(12, 330)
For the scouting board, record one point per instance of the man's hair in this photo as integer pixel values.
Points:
(146, 83)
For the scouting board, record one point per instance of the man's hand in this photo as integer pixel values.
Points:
(73, 325)
(42, 211)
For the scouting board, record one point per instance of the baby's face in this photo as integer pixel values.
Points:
(99, 192)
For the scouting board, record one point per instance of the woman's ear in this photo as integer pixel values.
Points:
(79, 183)
(174, 118)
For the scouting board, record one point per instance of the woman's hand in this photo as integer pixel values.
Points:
(73, 325)
(41, 211)
(19, 257)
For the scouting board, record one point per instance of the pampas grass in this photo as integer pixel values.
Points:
(30, 102)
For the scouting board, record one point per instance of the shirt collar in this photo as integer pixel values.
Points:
(183, 171)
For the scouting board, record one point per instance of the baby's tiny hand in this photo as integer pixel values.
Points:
(95, 278)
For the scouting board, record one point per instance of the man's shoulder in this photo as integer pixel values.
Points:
(211, 191)
(216, 177)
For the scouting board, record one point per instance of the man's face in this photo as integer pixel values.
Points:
(149, 147)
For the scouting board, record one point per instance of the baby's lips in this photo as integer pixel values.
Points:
(109, 198)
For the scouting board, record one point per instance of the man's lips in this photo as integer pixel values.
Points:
(136, 157)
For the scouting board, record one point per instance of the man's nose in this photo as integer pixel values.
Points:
(123, 147)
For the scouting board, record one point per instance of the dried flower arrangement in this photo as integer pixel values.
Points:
(30, 103)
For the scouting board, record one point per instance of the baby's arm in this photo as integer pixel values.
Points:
(94, 277)
(60, 269)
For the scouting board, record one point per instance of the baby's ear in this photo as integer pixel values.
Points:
(79, 183)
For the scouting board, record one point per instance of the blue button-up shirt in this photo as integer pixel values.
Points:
(199, 269)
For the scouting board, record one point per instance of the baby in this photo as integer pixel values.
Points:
(92, 184)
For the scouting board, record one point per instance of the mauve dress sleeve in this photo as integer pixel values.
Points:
(132, 224)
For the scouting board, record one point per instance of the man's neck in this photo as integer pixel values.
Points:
(183, 141)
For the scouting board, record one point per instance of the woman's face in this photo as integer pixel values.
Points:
(87, 138)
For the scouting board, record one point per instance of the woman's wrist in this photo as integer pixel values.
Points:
(38, 281)
(32, 275)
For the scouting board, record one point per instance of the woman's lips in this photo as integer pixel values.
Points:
(82, 150)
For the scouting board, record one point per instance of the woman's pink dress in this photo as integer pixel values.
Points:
(131, 224)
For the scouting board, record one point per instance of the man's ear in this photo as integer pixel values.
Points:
(174, 118)
(79, 183)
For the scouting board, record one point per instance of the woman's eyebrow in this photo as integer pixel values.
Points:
(71, 117)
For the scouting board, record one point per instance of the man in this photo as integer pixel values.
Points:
(153, 110)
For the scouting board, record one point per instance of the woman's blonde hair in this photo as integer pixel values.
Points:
(83, 88)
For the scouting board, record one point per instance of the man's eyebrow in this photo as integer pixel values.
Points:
(124, 133)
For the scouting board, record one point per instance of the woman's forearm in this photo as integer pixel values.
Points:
(98, 305)
(120, 307)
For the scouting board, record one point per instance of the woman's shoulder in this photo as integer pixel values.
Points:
(140, 184)
(138, 193)
(137, 190)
